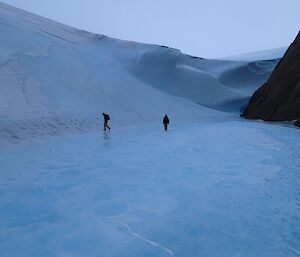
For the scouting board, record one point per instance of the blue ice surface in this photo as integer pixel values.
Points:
(228, 188)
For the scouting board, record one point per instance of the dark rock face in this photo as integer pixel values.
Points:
(279, 98)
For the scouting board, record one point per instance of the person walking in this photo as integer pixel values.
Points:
(106, 119)
(166, 122)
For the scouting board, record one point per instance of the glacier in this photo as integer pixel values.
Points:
(217, 188)
(212, 185)
(56, 79)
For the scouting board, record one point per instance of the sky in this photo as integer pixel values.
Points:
(211, 28)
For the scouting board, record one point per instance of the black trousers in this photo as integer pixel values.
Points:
(106, 125)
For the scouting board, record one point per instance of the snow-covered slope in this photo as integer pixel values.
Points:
(56, 78)
(269, 54)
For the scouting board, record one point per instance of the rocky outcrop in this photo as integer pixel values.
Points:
(279, 98)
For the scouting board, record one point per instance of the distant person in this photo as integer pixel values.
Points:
(106, 119)
(166, 122)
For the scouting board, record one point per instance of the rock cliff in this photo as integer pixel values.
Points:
(279, 98)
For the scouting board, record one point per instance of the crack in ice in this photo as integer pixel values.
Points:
(132, 232)
(294, 250)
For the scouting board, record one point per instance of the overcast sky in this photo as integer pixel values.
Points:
(211, 28)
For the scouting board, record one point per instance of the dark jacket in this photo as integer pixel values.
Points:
(106, 117)
(166, 120)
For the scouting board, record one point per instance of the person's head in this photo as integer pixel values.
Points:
(103, 113)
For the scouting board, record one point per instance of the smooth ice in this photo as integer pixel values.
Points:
(218, 188)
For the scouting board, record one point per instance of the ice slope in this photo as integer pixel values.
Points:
(225, 188)
(269, 54)
(55, 78)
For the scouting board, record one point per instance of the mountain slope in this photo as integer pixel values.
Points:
(56, 78)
